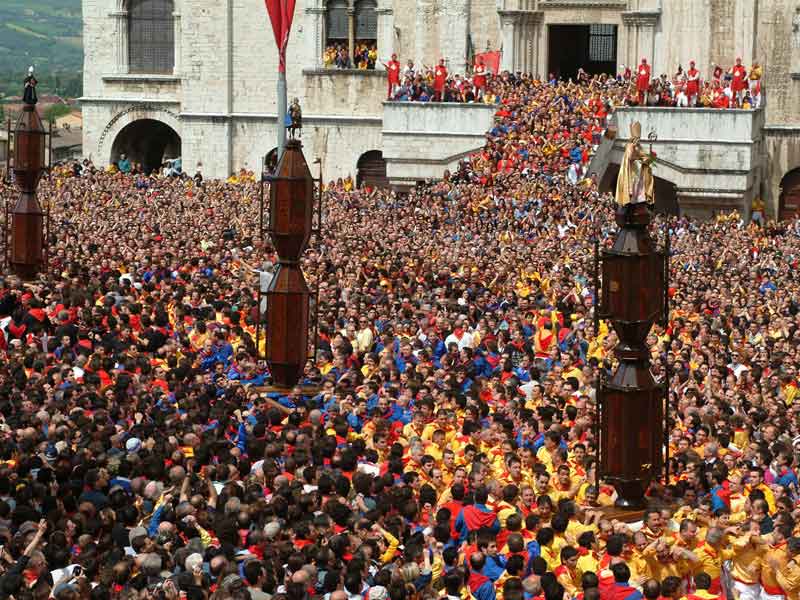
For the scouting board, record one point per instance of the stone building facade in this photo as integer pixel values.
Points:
(201, 74)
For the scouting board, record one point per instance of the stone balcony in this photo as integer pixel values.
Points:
(422, 139)
(713, 157)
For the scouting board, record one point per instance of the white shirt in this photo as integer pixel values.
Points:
(467, 340)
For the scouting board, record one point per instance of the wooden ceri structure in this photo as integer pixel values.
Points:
(26, 251)
(632, 404)
(292, 207)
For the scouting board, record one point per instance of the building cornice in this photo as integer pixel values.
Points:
(641, 17)
(138, 101)
(137, 78)
(585, 4)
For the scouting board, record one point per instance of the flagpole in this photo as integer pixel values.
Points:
(281, 113)
(281, 13)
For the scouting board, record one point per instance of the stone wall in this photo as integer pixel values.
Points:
(782, 147)
(421, 140)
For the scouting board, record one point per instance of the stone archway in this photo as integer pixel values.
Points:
(371, 169)
(789, 203)
(147, 142)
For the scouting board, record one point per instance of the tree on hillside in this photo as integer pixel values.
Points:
(54, 111)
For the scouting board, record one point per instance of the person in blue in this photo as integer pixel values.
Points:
(480, 586)
(124, 165)
(477, 516)
(622, 589)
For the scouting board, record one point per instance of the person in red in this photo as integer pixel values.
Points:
(393, 76)
(739, 82)
(439, 79)
(643, 80)
(692, 84)
(717, 74)
(479, 76)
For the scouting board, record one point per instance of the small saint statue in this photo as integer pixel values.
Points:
(29, 95)
(296, 119)
(635, 181)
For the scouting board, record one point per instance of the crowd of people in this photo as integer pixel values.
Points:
(737, 87)
(448, 448)
(365, 56)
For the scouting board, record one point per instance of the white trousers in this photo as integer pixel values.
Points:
(747, 591)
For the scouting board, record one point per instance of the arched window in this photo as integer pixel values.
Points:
(337, 22)
(366, 21)
(151, 37)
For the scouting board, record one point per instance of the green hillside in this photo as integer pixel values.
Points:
(46, 34)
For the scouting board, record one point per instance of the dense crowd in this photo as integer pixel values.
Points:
(737, 87)
(450, 449)
(365, 56)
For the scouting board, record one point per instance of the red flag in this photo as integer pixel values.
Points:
(281, 13)
(491, 60)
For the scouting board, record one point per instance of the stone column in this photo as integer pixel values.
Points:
(509, 33)
(641, 25)
(453, 29)
(121, 30)
(537, 33)
(351, 34)
(315, 42)
(385, 33)
(423, 25)
(176, 67)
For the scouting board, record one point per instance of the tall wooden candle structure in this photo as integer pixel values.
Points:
(27, 247)
(633, 298)
(632, 403)
(291, 212)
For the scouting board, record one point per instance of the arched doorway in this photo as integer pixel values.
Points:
(789, 204)
(665, 191)
(270, 161)
(147, 142)
(371, 169)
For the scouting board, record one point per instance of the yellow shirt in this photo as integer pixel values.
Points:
(711, 560)
(746, 560)
(768, 575)
(789, 579)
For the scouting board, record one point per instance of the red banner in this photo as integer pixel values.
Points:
(491, 60)
(281, 13)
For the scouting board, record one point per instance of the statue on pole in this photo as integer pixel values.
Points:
(635, 181)
(29, 94)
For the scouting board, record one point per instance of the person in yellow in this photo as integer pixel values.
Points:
(547, 549)
(755, 481)
(775, 559)
(567, 573)
(664, 561)
(348, 183)
(711, 554)
(748, 549)
(545, 453)
(789, 576)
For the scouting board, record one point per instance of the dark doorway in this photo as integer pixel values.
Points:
(372, 170)
(590, 47)
(789, 205)
(270, 162)
(147, 142)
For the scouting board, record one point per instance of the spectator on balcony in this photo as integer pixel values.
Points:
(329, 57)
(342, 58)
(409, 71)
(738, 81)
